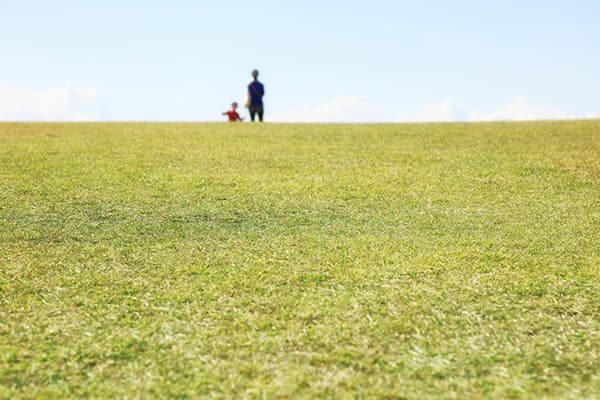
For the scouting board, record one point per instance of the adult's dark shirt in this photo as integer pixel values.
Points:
(256, 91)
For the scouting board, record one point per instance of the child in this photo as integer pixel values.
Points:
(232, 114)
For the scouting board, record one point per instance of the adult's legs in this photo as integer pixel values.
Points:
(256, 110)
(260, 111)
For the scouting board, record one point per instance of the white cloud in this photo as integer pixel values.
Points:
(64, 103)
(437, 112)
(593, 115)
(340, 109)
(86, 94)
(518, 109)
(353, 109)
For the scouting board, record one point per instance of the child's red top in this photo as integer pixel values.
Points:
(233, 116)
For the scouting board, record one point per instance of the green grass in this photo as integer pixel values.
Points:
(300, 261)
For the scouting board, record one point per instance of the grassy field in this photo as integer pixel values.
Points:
(300, 261)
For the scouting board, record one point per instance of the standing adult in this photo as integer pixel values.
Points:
(256, 91)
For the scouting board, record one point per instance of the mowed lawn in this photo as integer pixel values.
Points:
(408, 261)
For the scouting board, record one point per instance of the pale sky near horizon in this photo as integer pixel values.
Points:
(346, 61)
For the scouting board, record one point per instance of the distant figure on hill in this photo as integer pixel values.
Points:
(256, 91)
(233, 114)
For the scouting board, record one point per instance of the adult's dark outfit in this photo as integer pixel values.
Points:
(256, 91)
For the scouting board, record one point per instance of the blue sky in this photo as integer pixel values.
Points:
(319, 60)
